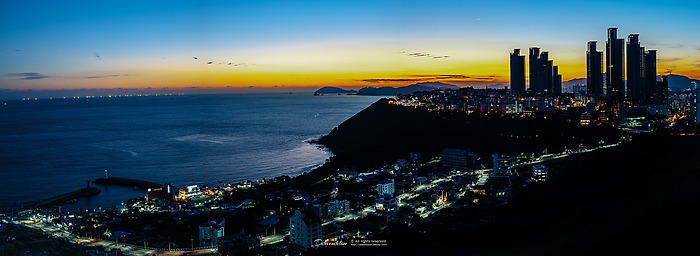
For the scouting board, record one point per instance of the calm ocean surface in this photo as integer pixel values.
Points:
(49, 147)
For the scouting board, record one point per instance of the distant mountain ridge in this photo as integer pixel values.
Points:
(679, 83)
(675, 83)
(392, 91)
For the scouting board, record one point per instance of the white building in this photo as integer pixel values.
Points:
(304, 229)
(386, 187)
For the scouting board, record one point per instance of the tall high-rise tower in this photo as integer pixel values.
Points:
(656, 92)
(615, 66)
(541, 76)
(546, 70)
(534, 64)
(636, 91)
(517, 72)
(594, 70)
(556, 81)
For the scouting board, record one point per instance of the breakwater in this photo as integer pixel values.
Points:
(55, 200)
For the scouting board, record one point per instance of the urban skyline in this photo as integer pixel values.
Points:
(189, 127)
(391, 43)
(640, 88)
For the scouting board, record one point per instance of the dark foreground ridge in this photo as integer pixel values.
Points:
(384, 132)
(626, 200)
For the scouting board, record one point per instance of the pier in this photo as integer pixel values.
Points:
(127, 182)
(83, 192)
(56, 200)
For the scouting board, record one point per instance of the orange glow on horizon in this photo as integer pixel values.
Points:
(318, 70)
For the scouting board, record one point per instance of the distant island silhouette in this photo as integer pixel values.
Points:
(388, 91)
(333, 90)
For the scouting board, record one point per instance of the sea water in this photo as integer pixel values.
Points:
(53, 146)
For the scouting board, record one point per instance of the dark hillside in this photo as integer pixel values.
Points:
(634, 199)
(383, 132)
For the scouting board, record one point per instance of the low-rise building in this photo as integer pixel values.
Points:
(331, 209)
(210, 233)
(502, 165)
(386, 187)
(539, 173)
(458, 159)
(386, 203)
(238, 244)
(415, 157)
(401, 164)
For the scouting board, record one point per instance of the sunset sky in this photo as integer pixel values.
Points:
(140, 44)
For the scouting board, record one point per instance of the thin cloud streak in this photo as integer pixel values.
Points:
(427, 78)
(422, 54)
(28, 76)
(104, 76)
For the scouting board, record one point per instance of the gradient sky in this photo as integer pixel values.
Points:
(139, 44)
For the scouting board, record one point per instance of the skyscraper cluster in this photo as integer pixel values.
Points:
(640, 88)
(544, 76)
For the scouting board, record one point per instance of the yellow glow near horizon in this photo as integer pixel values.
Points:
(324, 65)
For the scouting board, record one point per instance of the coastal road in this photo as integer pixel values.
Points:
(127, 249)
(420, 189)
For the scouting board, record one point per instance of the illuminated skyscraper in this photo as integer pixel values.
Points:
(594, 70)
(615, 66)
(556, 80)
(517, 72)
